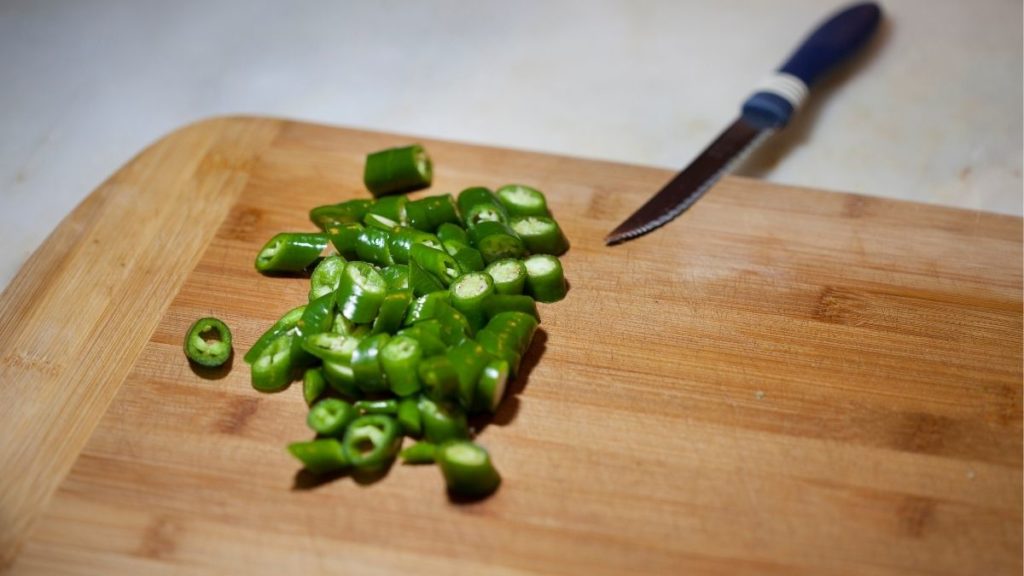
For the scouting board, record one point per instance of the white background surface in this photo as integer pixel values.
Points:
(931, 113)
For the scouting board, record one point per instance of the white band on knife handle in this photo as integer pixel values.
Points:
(786, 86)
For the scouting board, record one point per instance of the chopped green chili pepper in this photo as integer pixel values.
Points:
(425, 307)
(468, 359)
(380, 222)
(326, 276)
(442, 421)
(282, 326)
(498, 303)
(422, 282)
(437, 262)
(320, 456)
(508, 336)
(468, 294)
(428, 334)
(431, 212)
(501, 346)
(418, 453)
(313, 385)
(440, 380)
(317, 317)
(392, 311)
(360, 292)
(409, 419)
(496, 240)
(491, 387)
(467, 469)
(468, 258)
(391, 207)
(345, 238)
(509, 276)
(330, 416)
(540, 234)
(522, 200)
(396, 276)
(208, 342)
(290, 252)
(454, 327)
(402, 240)
(545, 280)
(330, 346)
(400, 359)
(478, 204)
(366, 364)
(387, 406)
(372, 246)
(449, 232)
(397, 170)
(273, 367)
(340, 377)
(372, 441)
(344, 213)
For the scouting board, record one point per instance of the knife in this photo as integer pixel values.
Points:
(765, 112)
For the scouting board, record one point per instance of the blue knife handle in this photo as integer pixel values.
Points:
(831, 43)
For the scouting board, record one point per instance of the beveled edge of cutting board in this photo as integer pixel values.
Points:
(78, 313)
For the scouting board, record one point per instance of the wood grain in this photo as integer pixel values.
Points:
(783, 381)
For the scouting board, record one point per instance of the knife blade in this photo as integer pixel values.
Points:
(765, 112)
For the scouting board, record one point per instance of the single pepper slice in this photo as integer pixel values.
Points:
(317, 317)
(423, 282)
(469, 259)
(468, 359)
(540, 235)
(442, 421)
(344, 213)
(545, 280)
(329, 346)
(381, 222)
(478, 204)
(409, 419)
(320, 456)
(386, 406)
(326, 276)
(397, 170)
(490, 389)
(284, 324)
(400, 360)
(330, 416)
(360, 292)
(273, 367)
(392, 311)
(521, 200)
(497, 303)
(419, 453)
(509, 276)
(450, 232)
(468, 294)
(429, 213)
(372, 441)
(501, 346)
(428, 334)
(440, 380)
(437, 262)
(402, 240)
(425, 307)
(366, 364)
(453, 325)
(290, 252)
(208, 342)
(372, 246)
(313, 385)
(496, 241)
(345, 238)
(340, 377)
(467, 469)
(391, 207)
(396, 276)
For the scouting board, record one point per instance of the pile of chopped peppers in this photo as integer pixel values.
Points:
(417, 318)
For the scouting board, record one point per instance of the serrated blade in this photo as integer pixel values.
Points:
(688, 186)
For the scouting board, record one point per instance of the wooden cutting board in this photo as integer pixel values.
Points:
(782, 381)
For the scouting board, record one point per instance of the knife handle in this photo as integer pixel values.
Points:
(834, 41)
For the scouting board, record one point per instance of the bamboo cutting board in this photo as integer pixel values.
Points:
(782, 381)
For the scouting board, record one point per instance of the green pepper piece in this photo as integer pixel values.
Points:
(379, 222)
(396, 276)
(330, 416)
(409, 419)
(468, 294)
(392, 208)
(425, 307)
(431, 212)
(290, 252)
(397, 170)
(442, 421)
(340, 377)
(428, 334)
(540, 234)
(440, 380)
(372, 442)
(361, 292)
(423, 282)
(400, 359)
(282, 326)
(467, 469)
(521, 200)
(345, 238)
(468, 359)
(273, 367)
(344, 213)
(329, 346)
(372, 246)
(501, 346)
(208, 342)
(496, 241)
(468, 258)
(317, 317)
(498, 303)
(437, 262)
(313, 385)
(402, 240)
(320, 456)
(326, 276)
(545, 280)
(392, 311)
(509, 276)
(450, 232)
(519, 327)
(454, 326)
(366, 364)
(387, 406)
(490, 389)
(418, 453)
(478, 204)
